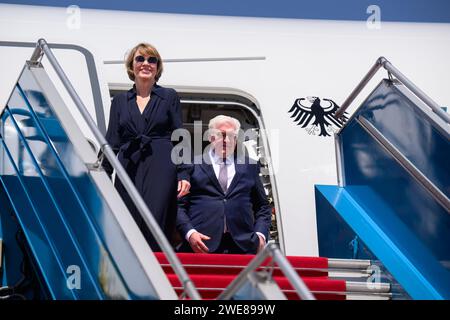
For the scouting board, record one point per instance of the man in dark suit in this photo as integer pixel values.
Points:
(226, 210)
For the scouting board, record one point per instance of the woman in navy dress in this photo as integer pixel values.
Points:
(140, 126)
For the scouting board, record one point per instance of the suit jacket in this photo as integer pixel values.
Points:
(244, 205)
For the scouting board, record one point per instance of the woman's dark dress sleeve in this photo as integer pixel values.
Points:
(184, 170)
(112, 134)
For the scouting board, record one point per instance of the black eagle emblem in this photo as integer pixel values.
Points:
(324, 119)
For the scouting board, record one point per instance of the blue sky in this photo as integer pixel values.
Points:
(391, 10)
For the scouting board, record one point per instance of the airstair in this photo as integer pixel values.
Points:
(66, 233)
(392, 201)
(327, 279)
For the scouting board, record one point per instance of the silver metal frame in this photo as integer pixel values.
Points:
(43, 48)
(383, 62)
(339, 160)
(266, 288)
(270, 250)
(348, 263)
(196, 60)
(91, 68)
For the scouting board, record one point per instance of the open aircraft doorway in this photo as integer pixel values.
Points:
(199, 105)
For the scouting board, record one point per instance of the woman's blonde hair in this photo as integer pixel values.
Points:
(147, 49)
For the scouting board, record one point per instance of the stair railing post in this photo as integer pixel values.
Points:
(383, 62)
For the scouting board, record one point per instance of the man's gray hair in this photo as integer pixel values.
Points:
(217, 120)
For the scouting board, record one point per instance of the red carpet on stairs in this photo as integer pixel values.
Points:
(234, 263)
(212, 273)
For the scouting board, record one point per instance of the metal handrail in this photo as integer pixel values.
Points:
(218, 59)
(428, 185)
(383, 62)
(43, 48)
(91, 69)
(270, 250)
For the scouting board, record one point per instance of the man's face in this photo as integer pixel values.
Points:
(223, 139)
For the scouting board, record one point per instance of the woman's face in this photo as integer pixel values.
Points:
(143, 67)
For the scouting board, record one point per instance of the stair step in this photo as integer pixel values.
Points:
(234, 263)
(212, 294)
(212, 273)
(368, 287)
(213, 285)
(240, 260)
(348, 274)
(362, 296)
(349, 264)
(235, 270)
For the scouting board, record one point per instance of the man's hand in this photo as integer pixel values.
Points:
(183, 188)
(262, 244)
(196, 243)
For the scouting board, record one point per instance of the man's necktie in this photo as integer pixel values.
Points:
(223, 181)
(223, 176)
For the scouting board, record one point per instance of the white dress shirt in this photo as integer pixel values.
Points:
(217, 161)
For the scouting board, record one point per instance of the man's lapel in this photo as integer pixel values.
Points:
(209, 170)
(239, 169)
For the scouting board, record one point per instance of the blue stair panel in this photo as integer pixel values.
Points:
(67, 224)
(381, 204)
(389, 239)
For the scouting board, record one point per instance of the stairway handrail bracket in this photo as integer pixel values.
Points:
(38, 53)
(42, 48)
(392, 70)
(272, 250)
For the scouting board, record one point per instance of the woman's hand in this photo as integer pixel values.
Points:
(183, 188)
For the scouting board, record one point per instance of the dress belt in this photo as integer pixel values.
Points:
(139, 145)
